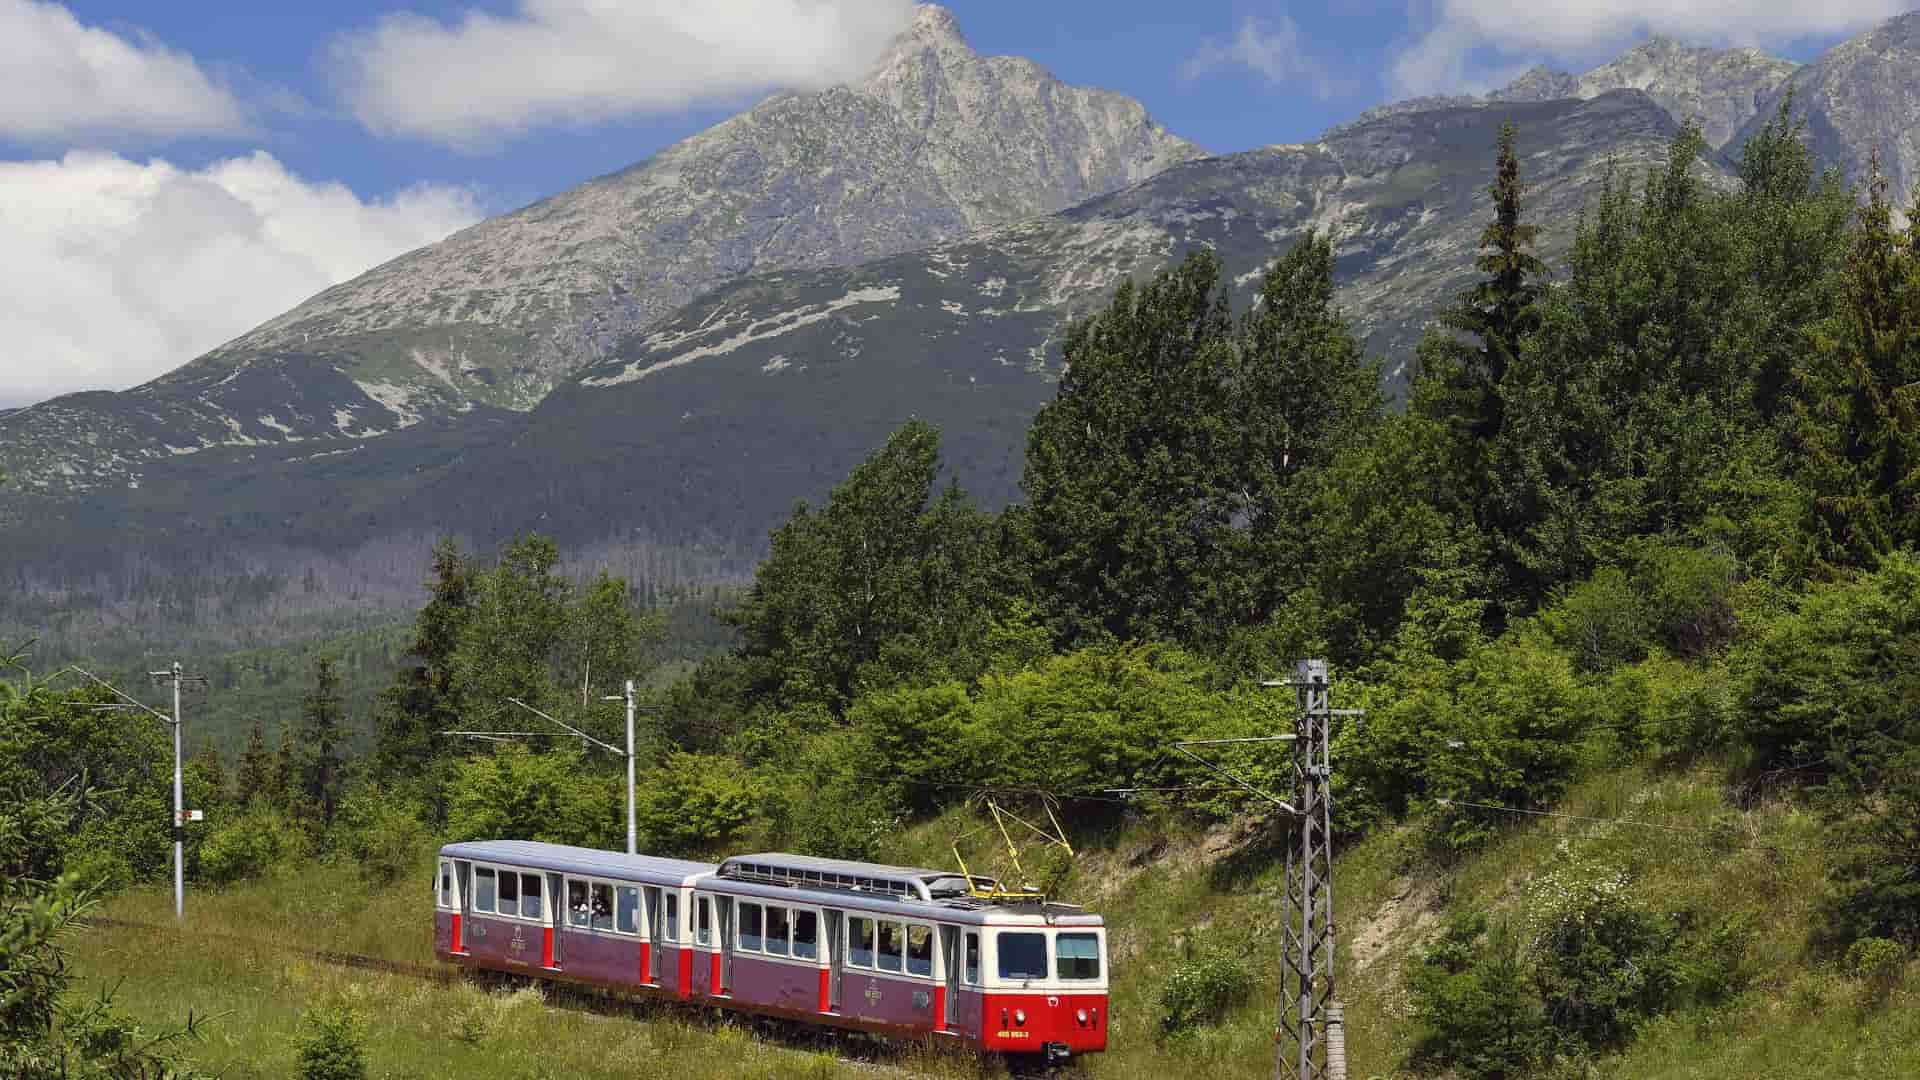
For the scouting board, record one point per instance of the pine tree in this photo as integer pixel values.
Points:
(424, 695)
(212, 769)
(1859, 402)
(322, 751)
(254, 781)
(1496, 313)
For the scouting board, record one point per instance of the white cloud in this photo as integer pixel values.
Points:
(59, 78)
(1272, 50)
(114, 271)
(472, 82)
(1470, 44)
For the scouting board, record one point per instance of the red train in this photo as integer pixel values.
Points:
(884, 949)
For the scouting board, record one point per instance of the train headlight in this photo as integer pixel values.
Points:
(1080, 1015)
(1020, 1017)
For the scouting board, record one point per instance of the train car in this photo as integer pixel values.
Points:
(894, 951)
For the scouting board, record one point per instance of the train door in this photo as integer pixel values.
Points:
(950, 959)
(559, 912)
(835, 924)
(725, 904)
(652, 904)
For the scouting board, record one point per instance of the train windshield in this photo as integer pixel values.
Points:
(1023, 956)
(1077, 956)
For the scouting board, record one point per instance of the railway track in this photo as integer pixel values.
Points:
(852, 1051)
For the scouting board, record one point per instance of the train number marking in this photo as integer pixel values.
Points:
(873, 992)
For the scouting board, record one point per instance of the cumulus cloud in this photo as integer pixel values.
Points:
(60, 79)
(1473, 44)
(474, 81)
(1273, 51)
(114, 271)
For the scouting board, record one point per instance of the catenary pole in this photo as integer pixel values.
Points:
(179, 808)
(633, 837)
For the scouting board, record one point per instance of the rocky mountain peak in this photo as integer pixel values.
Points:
(1721, 89)
(1861, 95)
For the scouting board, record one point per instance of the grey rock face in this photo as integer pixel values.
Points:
(1860, 96)
(936, 142)
(1722, 89)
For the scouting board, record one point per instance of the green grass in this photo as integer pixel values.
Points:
(1164, 889)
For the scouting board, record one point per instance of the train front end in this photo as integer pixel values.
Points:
(1043, 985)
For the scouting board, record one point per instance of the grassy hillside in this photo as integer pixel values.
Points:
(1165, 892)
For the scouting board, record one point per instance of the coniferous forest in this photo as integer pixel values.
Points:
(1646, 522)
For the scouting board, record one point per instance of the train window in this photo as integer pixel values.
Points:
(672, 917)
(919, 950)
(577, 913)
(778, 930)
(509, 893)
(628, 909)
(602, 906)
(530, 895)
(860, 942)
(1077, 956)
(703, 921)
(806, 934)
(1022, 956)
(890, 946)
(483, 890)
(446, 884)
(971, 970)
(750, 928)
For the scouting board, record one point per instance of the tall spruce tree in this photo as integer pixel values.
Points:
(321, 753)
(1494, 315)
(423, 698)
(254, 779)
(1859, 406)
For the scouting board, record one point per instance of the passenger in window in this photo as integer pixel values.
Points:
(890, 946)
(919, 950)
(806, 935)
(602, 906)
(860, 942)
(777, 930)
(578, 912)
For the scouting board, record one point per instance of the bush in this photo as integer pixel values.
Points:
(329, 1045)
(382, 833)
(1879, 964)
(695, 801)
(258, 840)
(1471, 998)
(554, 797)
(1202, 990)
(1604, 966)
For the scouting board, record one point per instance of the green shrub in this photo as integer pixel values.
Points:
(695, 801)
(1605, 966)
(517, 794)
(330, 1044)
(382, 833)
(1476, 1011)
(1601, 622)
(1202, 990)
(1879, 964)
(260, 839)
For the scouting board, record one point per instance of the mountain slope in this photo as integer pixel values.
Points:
(711, 422)
(936, 142)
(1860, 96)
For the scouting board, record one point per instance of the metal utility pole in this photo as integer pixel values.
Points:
(180, 814)
(1312, 1041)
(633, 837)
(1313, 1044)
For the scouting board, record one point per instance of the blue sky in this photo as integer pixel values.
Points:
(172, 174)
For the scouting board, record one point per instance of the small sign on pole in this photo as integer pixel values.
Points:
(192, 815)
